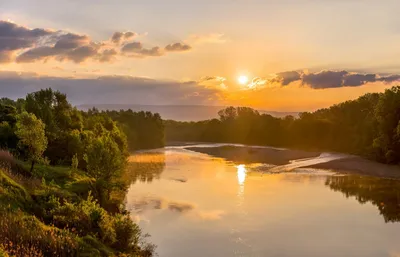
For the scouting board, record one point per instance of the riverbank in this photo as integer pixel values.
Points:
(249, 154)
(52, 212)
(284, 159)
(361, 166)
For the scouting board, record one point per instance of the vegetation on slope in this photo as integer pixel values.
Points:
(63, 195)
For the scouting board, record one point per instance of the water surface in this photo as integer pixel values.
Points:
(193, 204)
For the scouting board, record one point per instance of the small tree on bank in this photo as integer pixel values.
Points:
(30, 131)
(106, 163)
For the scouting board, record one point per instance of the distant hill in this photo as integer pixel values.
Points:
(177, 112)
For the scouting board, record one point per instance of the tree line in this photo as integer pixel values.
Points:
(45, 128)
(368, 126)
(81, 158)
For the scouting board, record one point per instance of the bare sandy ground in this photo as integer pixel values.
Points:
(358, 165)
(248, 154)
(286, 157)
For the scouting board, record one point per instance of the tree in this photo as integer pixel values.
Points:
(30, 131)
(105, 162)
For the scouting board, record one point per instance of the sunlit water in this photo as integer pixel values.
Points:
(195, 205)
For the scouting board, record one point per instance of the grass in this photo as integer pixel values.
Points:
(46, 214)
(12, 194)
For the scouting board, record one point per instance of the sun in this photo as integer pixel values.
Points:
(243, 79)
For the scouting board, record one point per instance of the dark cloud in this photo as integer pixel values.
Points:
(14, 37)
(65, 47)
(107, 55)
(285, 78)
(177, 47)
(324, 79)
(71, 41)
(132, 47)
(41, 45)
(110, 89)
(136, 49)
(117, 37)
(5, 56)
(331, 79)
(76, 55)
(81, 54)
(353, 80)
(129, 35)
(37, 54)
(390, 79)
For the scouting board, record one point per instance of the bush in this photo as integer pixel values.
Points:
(88, 219)
(12, 194)
(23, 235)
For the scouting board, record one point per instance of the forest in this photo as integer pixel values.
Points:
(63, 177)
(368, 126)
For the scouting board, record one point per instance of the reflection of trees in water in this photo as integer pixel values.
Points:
(384, 193)
(146, 166)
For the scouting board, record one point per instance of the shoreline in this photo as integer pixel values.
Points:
(250, 154)
(285, 158)
(359, 166)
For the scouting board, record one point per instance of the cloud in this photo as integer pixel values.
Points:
(256, 83)
(319, 80)
(353, 80)
(213, 82)
(180, 207)
(22, 45)
(177, 47)
(70, 51)
(107, 55)
(14, 37)
(336, 79)
(5, 56)
(71, 41)
(62, 46)
(324, 79)
(190, 209)
(389, 79)
(117, 37)
(162, 204)
(328, 79)
(285, 78)
(213, 38)
(136, 49)
(111, 89)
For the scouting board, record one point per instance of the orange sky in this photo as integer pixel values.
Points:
(297, 55)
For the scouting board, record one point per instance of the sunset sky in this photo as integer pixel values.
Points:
(298, 55)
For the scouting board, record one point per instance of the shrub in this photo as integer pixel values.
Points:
(23, 235)
(12, 193)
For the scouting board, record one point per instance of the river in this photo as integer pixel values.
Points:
(194, 204)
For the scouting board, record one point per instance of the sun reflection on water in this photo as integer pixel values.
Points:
(241, 173)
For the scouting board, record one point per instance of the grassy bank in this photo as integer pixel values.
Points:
(52, 213)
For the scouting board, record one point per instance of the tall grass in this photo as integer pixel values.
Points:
(23, 235)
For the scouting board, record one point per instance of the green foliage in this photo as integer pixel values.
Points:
(24, 235)
(12, 194)
(74, 162)
(31, 133)
(8, 138)
(88, 219)
(105, 163)
(49, 200)
(144, 130)
(368, 126)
